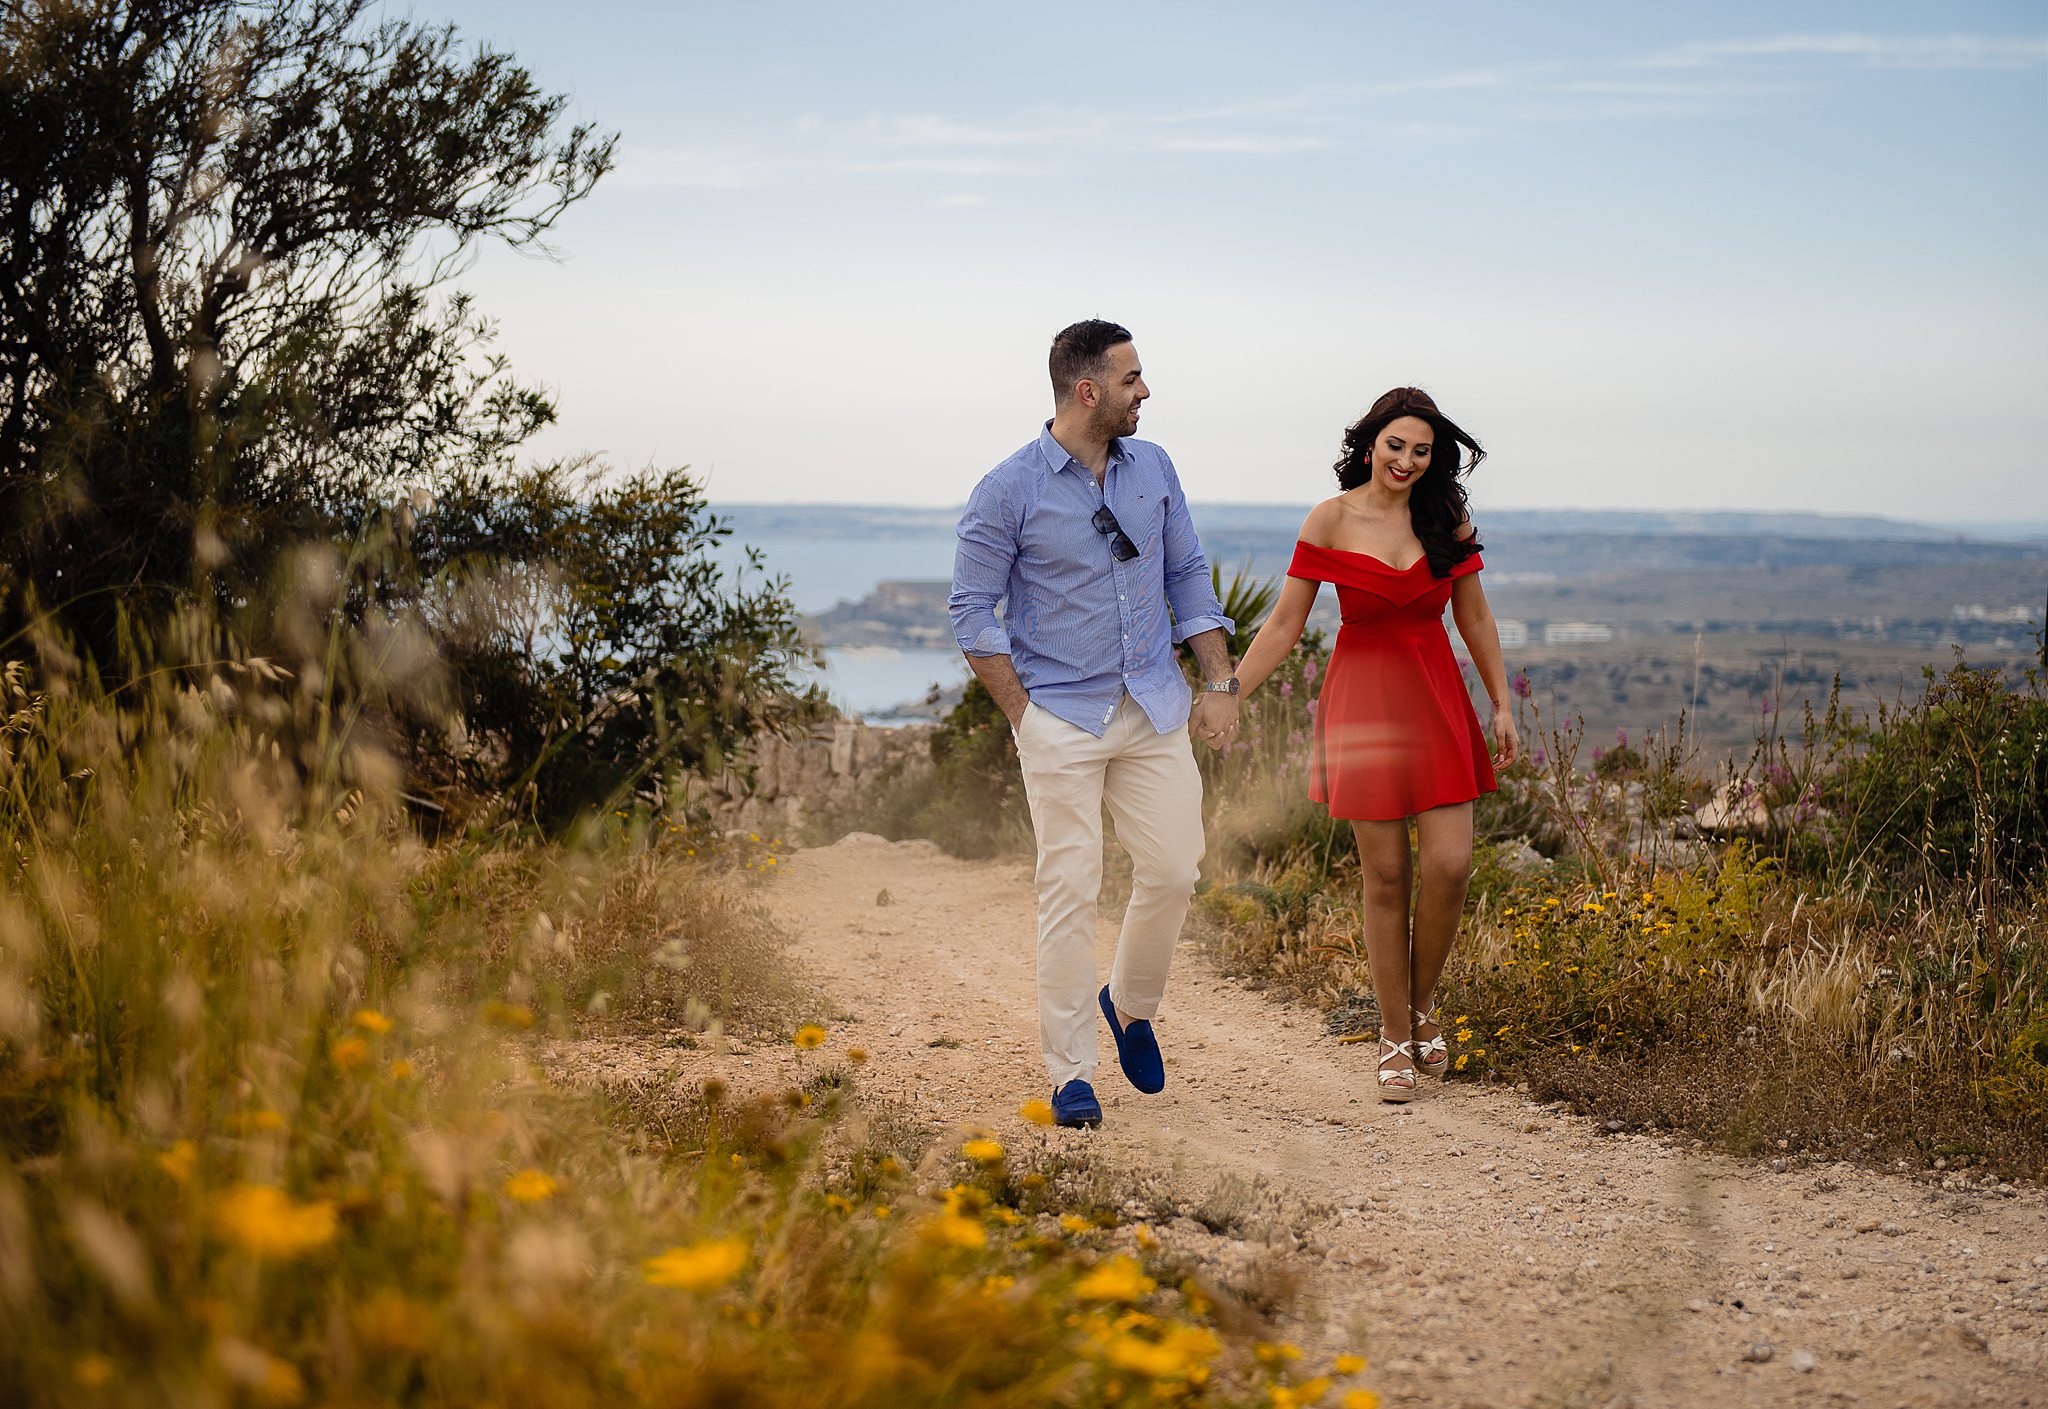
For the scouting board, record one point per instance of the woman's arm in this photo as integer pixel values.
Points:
(1482, 639)
(1282, 629)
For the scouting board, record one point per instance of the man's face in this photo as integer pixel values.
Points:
(1120, 392)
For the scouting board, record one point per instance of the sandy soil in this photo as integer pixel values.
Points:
(1481, 1250)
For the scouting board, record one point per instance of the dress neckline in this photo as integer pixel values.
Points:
(1354, 553)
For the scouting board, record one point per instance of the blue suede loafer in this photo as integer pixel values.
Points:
(1137, 1050)
(1075, 1105)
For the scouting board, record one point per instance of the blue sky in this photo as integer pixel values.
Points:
(1711, 256)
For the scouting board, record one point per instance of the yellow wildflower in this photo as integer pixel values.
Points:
(349, 1053)
(1463, 1057)
(1119, 1279)
(857, 1055)
(1361, 1399)
(839, 1203)
(530, 1186)
(1037, 1112)
(1595, 906)
(809, 1036)
(93, 1371)
(402, 1070)
(1075, 1223)
(178, 1160)
(370, 1020)
(512, 1015)
(1464, 1034)
(983, 1151)
(1146, 1238)
(954, 1230)
(265, 1221)
(1275, 1353)
(997, 1282)
(966, 1200)
(1348, 1364)
(882, 1210)
(1145, 1357)
(702, 1267)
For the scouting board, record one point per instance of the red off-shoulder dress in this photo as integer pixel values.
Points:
(1395, 733)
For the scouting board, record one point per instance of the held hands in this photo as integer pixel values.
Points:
(1506, 741)
(1215, 719)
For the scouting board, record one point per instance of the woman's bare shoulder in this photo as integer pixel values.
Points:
(1322, 521)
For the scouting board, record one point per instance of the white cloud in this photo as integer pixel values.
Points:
(1246, 145)
(1936, 51)
(725, 168)
(933, 166)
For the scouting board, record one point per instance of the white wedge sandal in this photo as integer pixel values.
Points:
(1434, 1056)
(1398, 1085)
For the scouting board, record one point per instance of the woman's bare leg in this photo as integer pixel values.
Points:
(1383, 859)
(1444, 847)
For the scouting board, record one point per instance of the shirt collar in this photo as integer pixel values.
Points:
(1057, 458)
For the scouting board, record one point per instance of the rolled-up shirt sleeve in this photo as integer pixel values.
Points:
(1188, 590)
(982, 560)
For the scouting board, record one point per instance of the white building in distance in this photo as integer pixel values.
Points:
(1572, 633)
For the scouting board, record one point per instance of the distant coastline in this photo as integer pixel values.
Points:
(1612, 607)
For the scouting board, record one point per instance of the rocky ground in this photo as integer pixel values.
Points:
(1481, 1250)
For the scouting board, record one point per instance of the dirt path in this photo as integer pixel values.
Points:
(1482, 1251)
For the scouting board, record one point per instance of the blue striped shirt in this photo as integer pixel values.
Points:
(1080, 627)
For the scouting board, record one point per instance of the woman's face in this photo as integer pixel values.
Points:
(1401, 454)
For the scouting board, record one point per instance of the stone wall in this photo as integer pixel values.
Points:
(799, 781)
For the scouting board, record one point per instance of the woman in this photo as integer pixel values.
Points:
(1395, 733)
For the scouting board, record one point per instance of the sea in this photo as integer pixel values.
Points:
(874, 682)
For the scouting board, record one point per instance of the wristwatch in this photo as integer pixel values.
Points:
(1221, 687)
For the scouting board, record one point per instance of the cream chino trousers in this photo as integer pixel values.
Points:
(1154, 793)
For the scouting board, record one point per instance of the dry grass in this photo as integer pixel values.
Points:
(1725, 1001)
(276, 1125)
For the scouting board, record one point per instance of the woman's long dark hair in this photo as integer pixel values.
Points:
(1436, 506)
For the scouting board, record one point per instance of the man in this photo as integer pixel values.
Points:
(1085, 535)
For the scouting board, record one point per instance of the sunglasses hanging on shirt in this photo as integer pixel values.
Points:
(1120, 547)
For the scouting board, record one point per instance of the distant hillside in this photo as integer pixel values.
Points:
(1544, 539)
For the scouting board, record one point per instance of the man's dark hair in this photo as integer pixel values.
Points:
(1079, 351)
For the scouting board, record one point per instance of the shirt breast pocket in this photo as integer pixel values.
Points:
(1149, 532)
